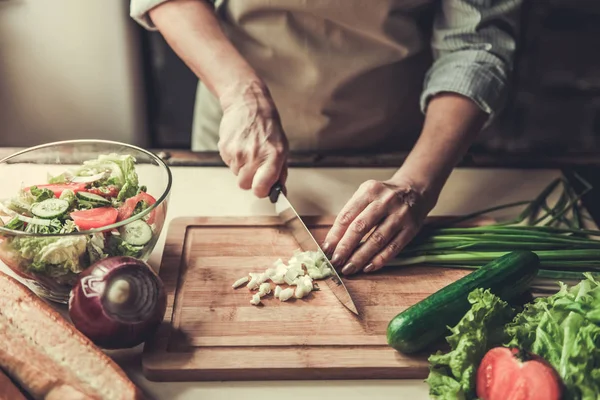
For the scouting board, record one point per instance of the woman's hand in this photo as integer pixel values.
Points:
(391, 211)
(397, 208)
(252, 142)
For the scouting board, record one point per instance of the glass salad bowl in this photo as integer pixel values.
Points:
(66, 205)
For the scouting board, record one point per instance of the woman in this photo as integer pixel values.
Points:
(321, 75)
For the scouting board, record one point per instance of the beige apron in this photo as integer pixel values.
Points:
(345, 74)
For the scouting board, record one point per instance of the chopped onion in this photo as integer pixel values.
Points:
(286, 294)
(300, 292)
(118, 302)
(34, 221)
(262, 278)
(270, 272)
(300, 271)
(240, 282)
(7, 210)
(290, 276)
(264, 289)
(255, 300)
(29, 220)
(253, 284)
(89, 179)
(307, 281)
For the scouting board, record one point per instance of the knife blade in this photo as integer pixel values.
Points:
(292, 221)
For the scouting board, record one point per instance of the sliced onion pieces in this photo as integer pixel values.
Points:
(300, 271)
(89, 179)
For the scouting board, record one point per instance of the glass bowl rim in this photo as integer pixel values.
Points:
(116, 225)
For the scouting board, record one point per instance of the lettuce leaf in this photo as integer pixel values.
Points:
(564, 329)
(55, 226)
(139, 207)
(15, 224)
(40, 195)
(69, 196)
(131, 186)
(69, 226)
(43, 253)
(443, 386)
(122, 173)
(21, 203)
(95, 248)
(453, 375)
(119, 247)
(62, 178)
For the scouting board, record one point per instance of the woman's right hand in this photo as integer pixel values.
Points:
(251, 139)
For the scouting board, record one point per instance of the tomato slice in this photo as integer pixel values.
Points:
(503, 376)
(58, 188)
(126, 210)
(112, 191)
(94, 218)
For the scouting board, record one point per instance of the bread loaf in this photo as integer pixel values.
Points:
(49, 357)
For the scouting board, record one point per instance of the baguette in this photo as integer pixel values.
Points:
(48, 357)
(8, 390)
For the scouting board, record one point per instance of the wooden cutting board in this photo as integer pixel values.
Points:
(212, 332)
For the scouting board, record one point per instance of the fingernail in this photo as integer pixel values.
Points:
(369, 268)
(335, 259)
(325, 248)
(348, 269)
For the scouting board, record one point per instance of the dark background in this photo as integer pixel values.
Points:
(554, 107)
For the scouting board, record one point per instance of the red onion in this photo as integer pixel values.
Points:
(118, 302)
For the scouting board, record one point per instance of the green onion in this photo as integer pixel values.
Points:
(555, 233)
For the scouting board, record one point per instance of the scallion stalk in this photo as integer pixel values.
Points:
(556, 234)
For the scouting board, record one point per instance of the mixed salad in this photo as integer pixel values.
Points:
(96, 194)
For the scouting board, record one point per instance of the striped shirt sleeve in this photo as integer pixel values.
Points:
(138, 10)
(473, 45)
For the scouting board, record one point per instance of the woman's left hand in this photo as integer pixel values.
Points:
(392, 211)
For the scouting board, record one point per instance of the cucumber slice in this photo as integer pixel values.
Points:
(137, 233)
(50, 208)
(92, 198)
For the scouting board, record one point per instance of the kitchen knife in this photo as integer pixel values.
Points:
(290, 218)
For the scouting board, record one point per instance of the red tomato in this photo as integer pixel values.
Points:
(113, 191)
(502, 375)
(94, 218)
(58, 188)
(127, 208)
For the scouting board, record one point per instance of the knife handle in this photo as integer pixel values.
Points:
(274, 192)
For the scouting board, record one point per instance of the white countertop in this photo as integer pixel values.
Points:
(200, 191)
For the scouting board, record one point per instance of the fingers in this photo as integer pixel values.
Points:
(358, 228)
(260, 177)
(283, 178)
(254, 173)
(253, 145)
(246, 176)
(234, 159)
(387, 210)
(376, 241)
(392, 249)
(343, 221)
(267, 175)
(369, 194)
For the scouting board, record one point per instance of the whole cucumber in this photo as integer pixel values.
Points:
(427, 321)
